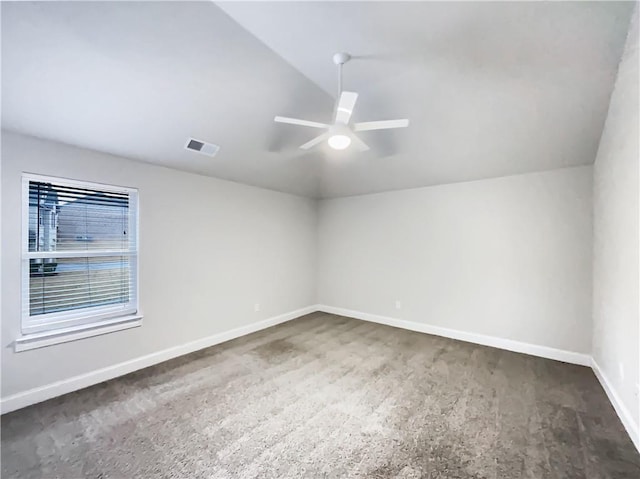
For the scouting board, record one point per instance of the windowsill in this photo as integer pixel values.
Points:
(48, 338)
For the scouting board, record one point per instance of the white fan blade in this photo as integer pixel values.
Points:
(315, 141)
(380, 125)
(358, 144)
(345, 106)
(295, 121)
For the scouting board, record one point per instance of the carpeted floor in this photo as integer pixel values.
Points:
(327, 396)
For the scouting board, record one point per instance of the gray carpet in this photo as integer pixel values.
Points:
(327, 396)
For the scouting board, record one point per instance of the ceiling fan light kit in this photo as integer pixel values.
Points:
(340, 135)
(339, 142)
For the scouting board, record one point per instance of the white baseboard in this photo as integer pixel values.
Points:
(39, 394)
(623, 413)
(501, 343)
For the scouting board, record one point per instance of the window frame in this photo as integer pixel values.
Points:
(91, 317)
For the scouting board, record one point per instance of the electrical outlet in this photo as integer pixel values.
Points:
(398, 304)
(621, 370)
(637, 389)
(256, 307)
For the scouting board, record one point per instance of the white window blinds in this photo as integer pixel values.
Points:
(79, 253)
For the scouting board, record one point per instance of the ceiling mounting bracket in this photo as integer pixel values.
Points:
(341, 58)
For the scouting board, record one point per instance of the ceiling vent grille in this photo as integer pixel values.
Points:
(202, 147)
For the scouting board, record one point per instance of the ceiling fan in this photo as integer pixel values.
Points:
(340, 134)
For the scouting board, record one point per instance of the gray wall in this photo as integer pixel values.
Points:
(616, 301)
(507, 257)
(209, 250)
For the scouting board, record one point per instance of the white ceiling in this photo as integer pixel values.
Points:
(491, 89)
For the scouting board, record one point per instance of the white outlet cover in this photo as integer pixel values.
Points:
(621, 370)
(256, 307)
(398, 304)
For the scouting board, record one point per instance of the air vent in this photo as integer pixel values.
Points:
(202, 147)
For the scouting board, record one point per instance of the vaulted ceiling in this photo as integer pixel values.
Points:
(491, 88)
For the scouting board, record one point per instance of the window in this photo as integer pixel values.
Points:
(79, 254)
